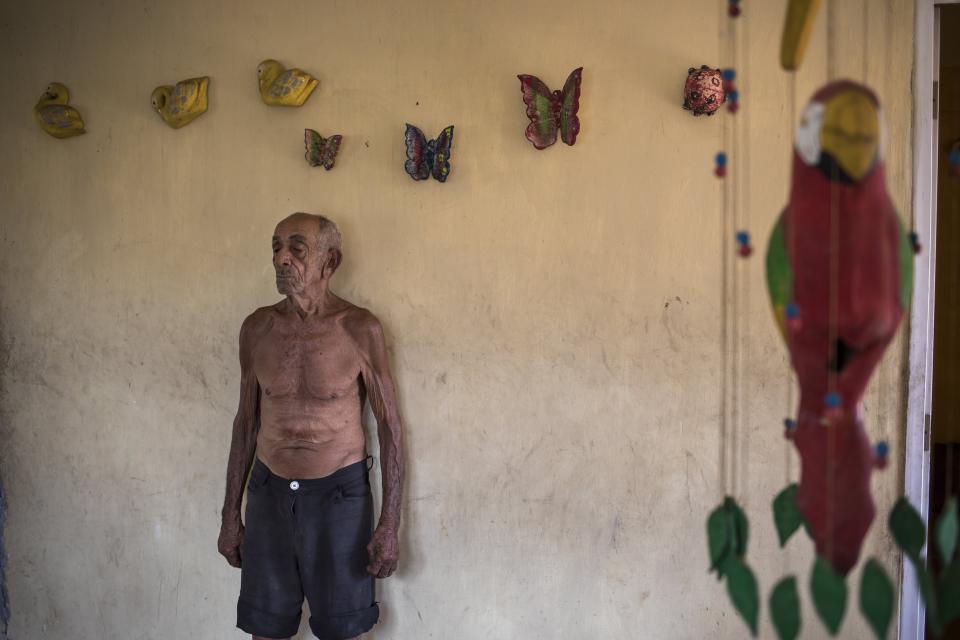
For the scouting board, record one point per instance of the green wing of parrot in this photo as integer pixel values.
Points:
(779, 274)
(906, 267)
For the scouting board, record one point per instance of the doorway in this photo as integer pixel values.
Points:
(945, 416)
(933, 404)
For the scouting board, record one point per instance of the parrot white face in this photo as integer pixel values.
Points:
(807, 139)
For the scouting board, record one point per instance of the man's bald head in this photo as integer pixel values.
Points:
(327, 233)
(306, 252)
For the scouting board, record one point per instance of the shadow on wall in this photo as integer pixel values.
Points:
(4, 599)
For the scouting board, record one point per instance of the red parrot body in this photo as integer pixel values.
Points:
(844, 246)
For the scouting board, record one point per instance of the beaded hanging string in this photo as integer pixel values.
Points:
(741, 282)
(866, 39)
(791, 312)
(792, 316)
(833, 401)
(879, 387)
(733, 284)
(732, 288)
(721, 171)
(881, 448)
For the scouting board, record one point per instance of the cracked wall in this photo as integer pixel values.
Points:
(553, 316)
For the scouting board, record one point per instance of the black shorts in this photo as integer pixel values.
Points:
(307, 538)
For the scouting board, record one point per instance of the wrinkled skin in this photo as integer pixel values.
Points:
(307, 365)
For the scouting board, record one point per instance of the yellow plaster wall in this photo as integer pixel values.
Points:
(553, 316)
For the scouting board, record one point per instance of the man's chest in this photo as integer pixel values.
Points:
(322, 362)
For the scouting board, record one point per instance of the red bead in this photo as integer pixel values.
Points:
(720, 172)
(917, 247)
(745, 250)
(880, 463)
(734, 11)
(794, 324)
(733, 106)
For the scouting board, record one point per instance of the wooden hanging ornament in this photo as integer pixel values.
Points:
(839, 275)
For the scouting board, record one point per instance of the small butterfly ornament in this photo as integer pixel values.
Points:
(321, 151)
(428, 157)
(552, 111)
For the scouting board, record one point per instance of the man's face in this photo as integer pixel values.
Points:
(296, 254)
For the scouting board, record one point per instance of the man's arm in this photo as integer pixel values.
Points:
(384, 548)
(243, 444)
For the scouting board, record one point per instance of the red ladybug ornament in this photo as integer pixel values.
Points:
(703, 92)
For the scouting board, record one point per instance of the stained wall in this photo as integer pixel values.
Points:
(553, 317)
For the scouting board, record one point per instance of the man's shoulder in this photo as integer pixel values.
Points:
(260, 320)
(360, 322)
(359, 318)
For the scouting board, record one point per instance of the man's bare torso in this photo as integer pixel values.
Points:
(310, 389)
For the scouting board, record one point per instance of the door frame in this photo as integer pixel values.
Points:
(920, 381)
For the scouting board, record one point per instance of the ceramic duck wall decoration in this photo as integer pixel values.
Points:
(284, 87)
(179, 105)
(55, 116)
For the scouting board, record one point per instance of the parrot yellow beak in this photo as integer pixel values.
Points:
(850, 134)
(801, 14)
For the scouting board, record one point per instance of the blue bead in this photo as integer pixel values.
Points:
(954, 157)
(734, 96)
(789, 423)
(793, 311)
(729, 74)
(743, 237)
(721, 159)
(833, 400)
(914, 238)
(734, 1)
(882, 449)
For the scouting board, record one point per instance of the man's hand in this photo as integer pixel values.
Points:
(231, 537)
(383, 550)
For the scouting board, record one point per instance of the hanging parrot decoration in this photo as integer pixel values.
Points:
(839, 273)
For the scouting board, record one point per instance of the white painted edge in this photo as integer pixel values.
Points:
(920, 382)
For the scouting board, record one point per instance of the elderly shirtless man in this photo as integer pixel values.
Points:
(307, 364)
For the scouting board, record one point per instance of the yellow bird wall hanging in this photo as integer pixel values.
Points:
(55, 116)
(181, 104)
(284, 87)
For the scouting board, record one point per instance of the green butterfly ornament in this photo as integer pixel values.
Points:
(321, 151)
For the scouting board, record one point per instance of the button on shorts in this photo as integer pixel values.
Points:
(307, 538)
